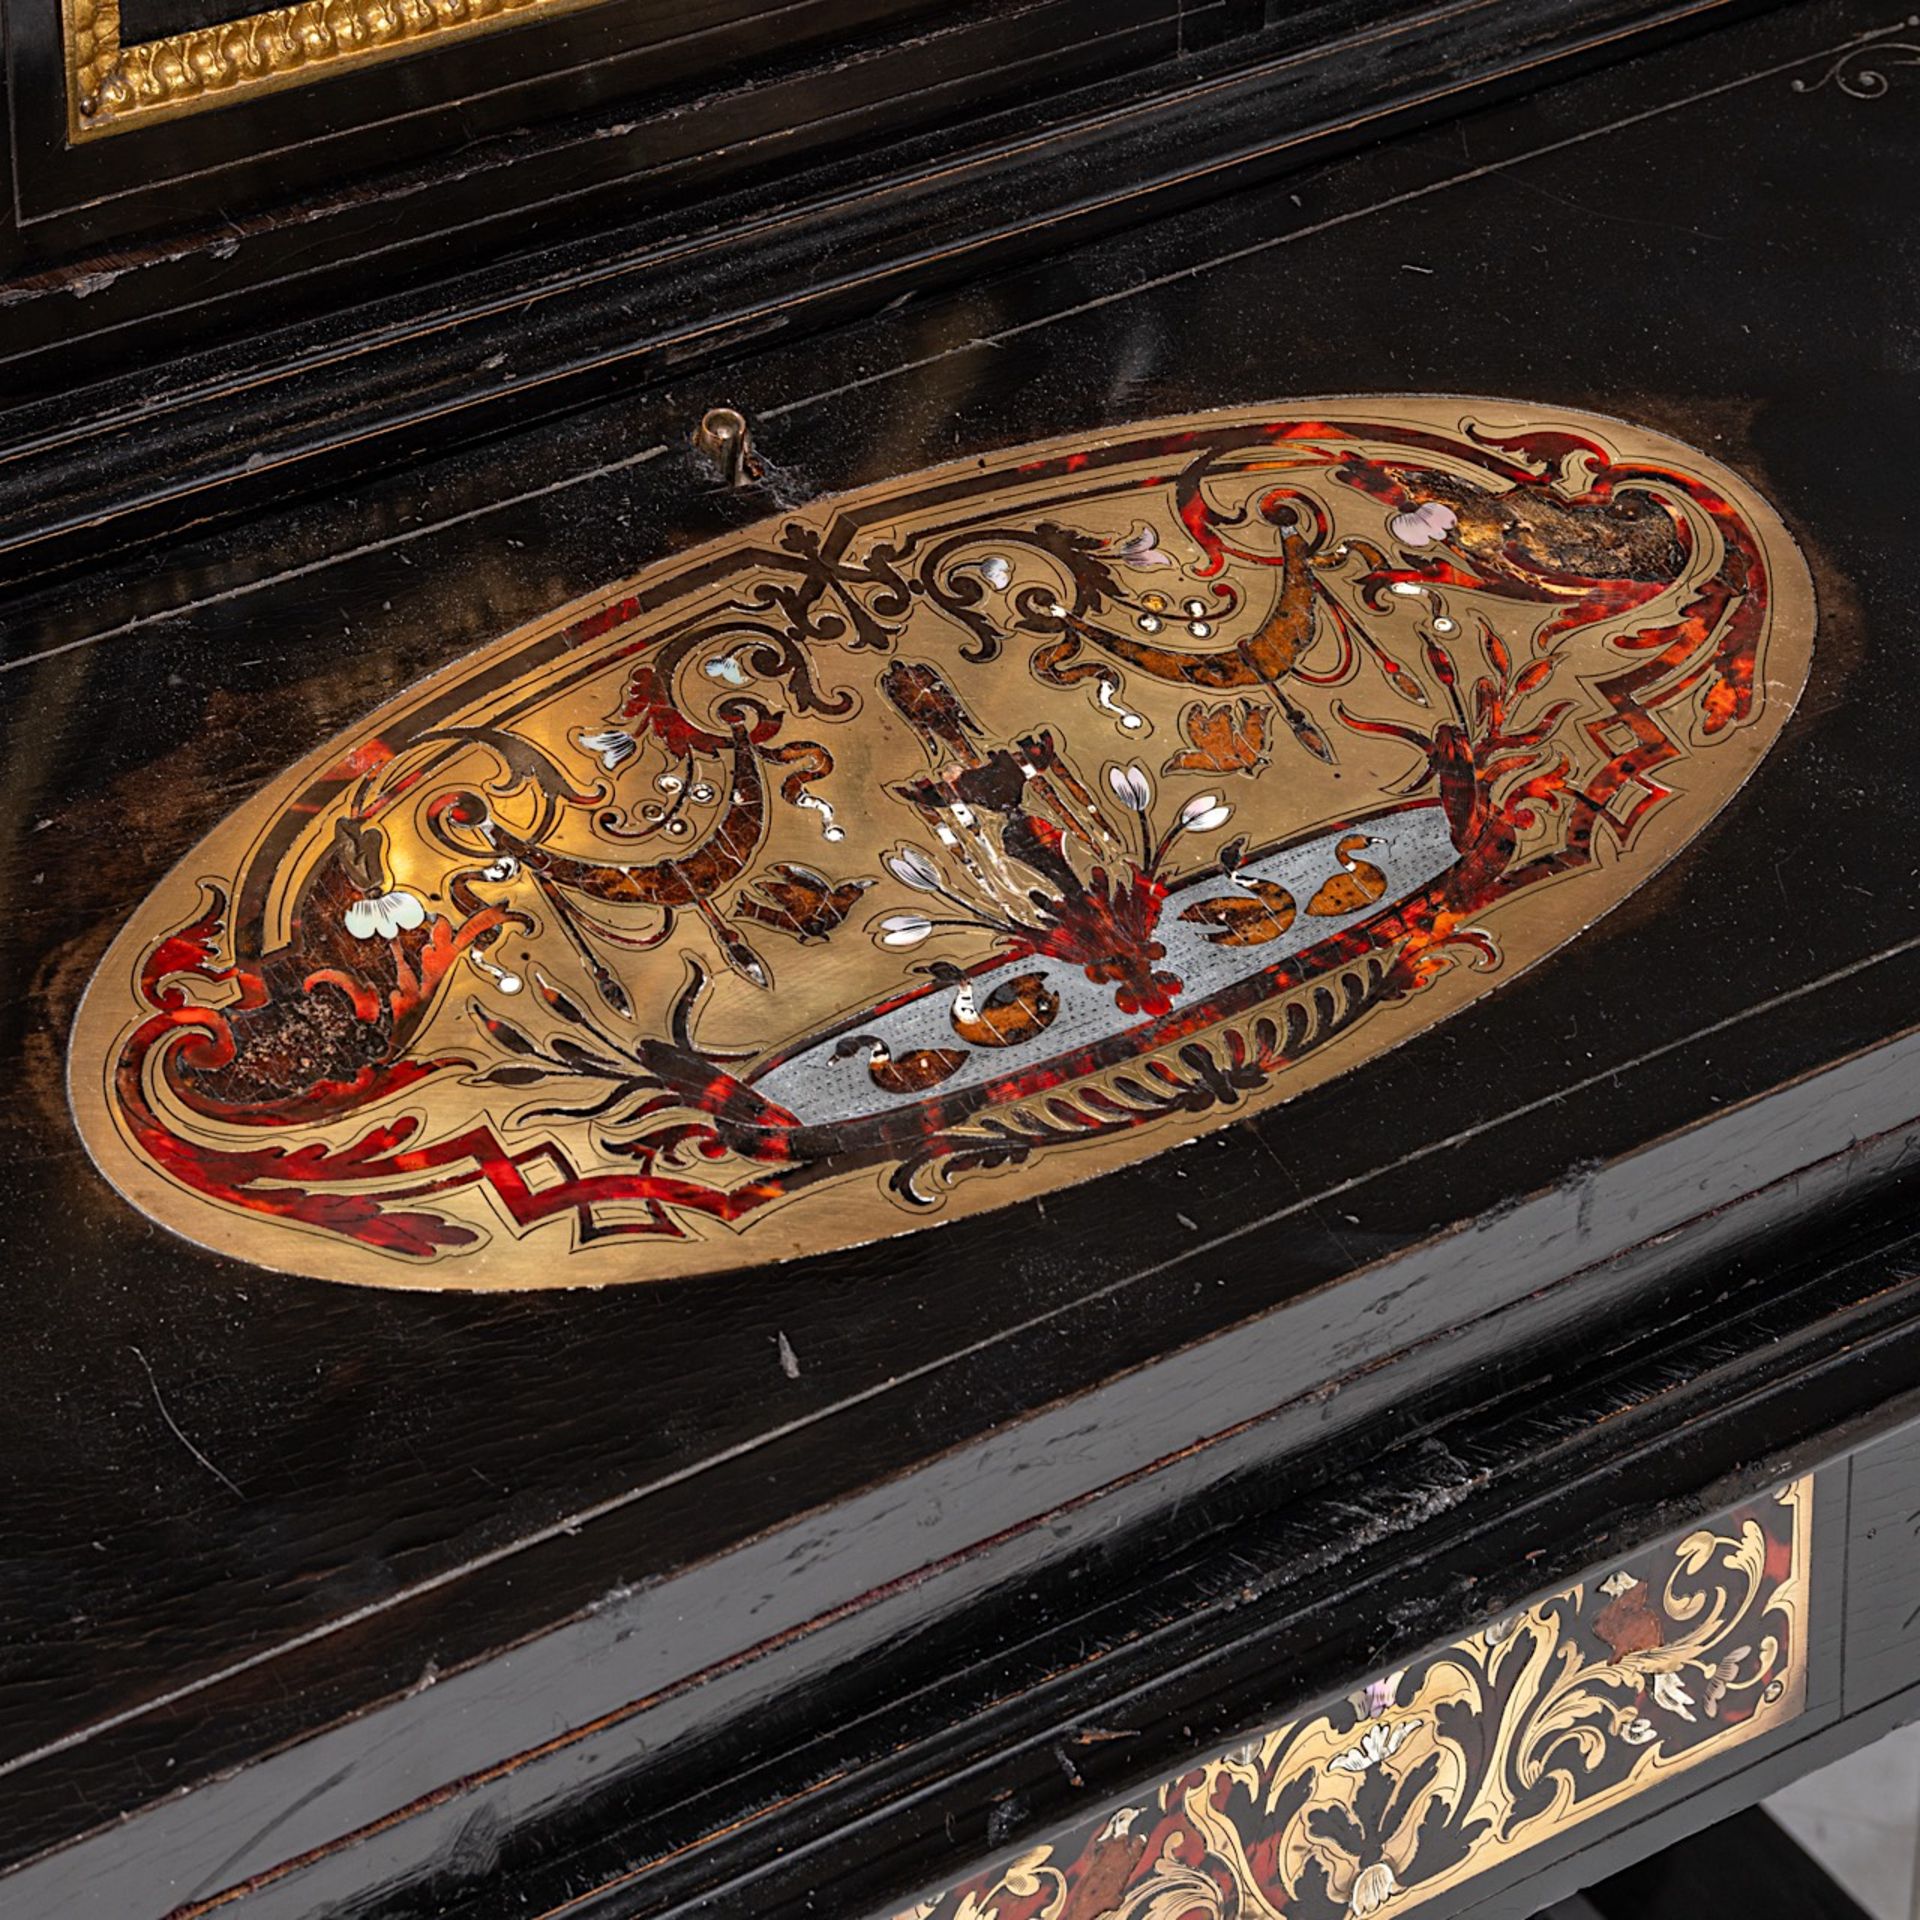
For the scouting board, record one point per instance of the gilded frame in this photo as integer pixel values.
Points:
(113, 85)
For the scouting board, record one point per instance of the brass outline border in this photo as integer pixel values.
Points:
(1586, 1698)
(251, 844)
(112, 87)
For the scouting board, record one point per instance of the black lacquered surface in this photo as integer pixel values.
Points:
(207, 1467)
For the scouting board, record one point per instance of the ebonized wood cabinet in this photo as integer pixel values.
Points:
(829, 1586)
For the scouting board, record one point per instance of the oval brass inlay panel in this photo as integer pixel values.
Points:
(941, 844)
(1447, 1770)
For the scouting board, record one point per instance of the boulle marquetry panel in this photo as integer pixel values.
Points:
(1427, 1776)
(1126, 1509)
(925, 849)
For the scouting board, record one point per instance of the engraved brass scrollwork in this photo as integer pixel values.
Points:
(932, 847)
(1425, 1778)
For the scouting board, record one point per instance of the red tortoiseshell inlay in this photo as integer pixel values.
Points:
(937, 845)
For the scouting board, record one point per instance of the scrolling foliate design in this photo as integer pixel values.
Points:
(941, 844)
(1426, 1777)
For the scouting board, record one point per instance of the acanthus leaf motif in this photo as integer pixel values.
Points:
(1436, 679)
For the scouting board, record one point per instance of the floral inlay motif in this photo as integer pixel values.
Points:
(932, 847)
(1467, 1757)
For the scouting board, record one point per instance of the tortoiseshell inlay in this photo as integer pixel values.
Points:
(937, 845)
(1425, 1778)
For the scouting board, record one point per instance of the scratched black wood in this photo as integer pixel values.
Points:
(241, 1509)
(770, 174)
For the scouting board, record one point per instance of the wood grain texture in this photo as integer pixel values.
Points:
(1883, 1588)
(903, 166)
(635, 1495)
